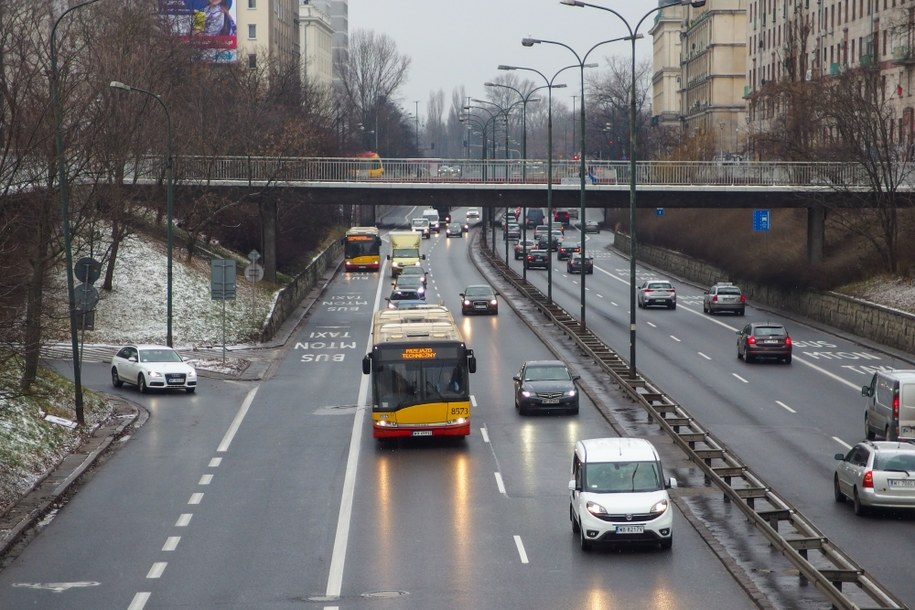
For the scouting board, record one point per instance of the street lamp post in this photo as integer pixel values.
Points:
(633, 35)
(169, 202)
(64, 186)
(529, 42)
(492, 119)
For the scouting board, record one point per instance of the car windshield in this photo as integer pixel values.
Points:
(622, 477)
(159, 355)
(454, 226)
(546, 373)
(420, 222)
(895, 461)
(478, 291)
(770, 331)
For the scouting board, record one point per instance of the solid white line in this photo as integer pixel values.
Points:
(703, 355)
(521, 551)
(499, 483)
(206, 479)
(485, 434)
(156, 570)
(171, 543)
(841, 442)
(345, 515)
(740, 378)
(139, 601)
(184, 520)
(236, 423)
(784, 406)
(195, 498)
(215, 462)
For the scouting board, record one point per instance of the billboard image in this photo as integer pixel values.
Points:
(208, 25)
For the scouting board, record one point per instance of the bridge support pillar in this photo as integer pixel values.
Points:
(816, 233)
(268, 222)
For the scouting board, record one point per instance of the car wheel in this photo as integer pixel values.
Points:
(575, 527)
(190, 390)
(141, 384)
(747, 357)
(869, 433)
(860, 509)
(836, 492)
(582, 541)
(739, 355)
(788, 359)
(115, 379)
(704, 308)
(672, 306)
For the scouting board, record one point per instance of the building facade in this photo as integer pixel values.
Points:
(315, 40)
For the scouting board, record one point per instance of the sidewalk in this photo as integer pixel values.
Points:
(51, 491)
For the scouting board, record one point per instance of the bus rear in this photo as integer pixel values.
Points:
(362, 249)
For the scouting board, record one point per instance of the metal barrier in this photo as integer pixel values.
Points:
(784, 526)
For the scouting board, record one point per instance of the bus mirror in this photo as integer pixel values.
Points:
(422, 256)
(472, 363)
(366, 364)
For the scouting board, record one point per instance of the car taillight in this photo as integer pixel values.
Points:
(751, 340)
(868, 481)
(743, 299)
(787, 340)
(647, 290)
(896, 405)
(714, 298)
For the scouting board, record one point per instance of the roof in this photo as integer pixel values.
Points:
(622, 449)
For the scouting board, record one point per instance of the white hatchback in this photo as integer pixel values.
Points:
(152, 367)
(618, 493)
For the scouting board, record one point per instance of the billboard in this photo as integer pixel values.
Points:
(208, 25)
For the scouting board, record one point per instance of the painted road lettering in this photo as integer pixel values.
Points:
(329, 345)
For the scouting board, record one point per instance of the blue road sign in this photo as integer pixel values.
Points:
(760, 220)
(659, 211)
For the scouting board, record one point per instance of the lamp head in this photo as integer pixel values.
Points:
(695, 3)
(504, 67)
(115, 84)
(490, 84)
(571, 2)
(528, 41)
(559, 86)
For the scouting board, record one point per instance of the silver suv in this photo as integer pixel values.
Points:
(724, 296)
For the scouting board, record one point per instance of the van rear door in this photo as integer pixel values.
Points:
(907, 410)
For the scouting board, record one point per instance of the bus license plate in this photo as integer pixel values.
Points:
(630, 529)
(422, 433)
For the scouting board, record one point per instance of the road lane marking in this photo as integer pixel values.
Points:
(184, 520)
(215, 462)
(205, 479)
(521, 552)
(139, 601)
(236, 423)
(157, 569)
(651, 324)
(485, 434)
(195, 498)
(784, 406)
(740, 378)
(841, 442)
(675, 339)
(704, 356)
(500, 484)
(171, 543)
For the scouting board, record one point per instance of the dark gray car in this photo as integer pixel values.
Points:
(545, 385)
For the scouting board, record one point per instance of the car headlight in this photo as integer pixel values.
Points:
(466, 303)
(526, 393)
(395, 264)
(570, 393)
(660, 507)
(192, 374)
(420, 290)
(151, 373)
(595, 509)
(494, 302)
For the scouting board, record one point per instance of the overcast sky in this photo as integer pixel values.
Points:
(462, 43)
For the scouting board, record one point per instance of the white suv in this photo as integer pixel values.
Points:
(618, 493)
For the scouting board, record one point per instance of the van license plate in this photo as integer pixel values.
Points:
(900, 483)
(630, 529)
(422, 433)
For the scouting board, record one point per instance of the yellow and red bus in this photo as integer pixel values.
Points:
(420, 368)
(362, 249)
(368, 165)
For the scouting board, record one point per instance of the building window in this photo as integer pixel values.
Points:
(252, 61)
(252, 3)
(252, 31)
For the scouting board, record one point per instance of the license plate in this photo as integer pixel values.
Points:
(630, 529)
(550, 401)
(175, 382)
(422, 433)
(907, 430)
(771, 341)
(902, 483)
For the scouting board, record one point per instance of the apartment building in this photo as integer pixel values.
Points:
(315, 40)
(268, 28)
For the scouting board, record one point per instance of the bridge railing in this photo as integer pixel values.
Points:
(267, 170)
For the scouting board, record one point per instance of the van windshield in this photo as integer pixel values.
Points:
(622, 477)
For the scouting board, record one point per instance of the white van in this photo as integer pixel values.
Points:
(432, 215)
(618, 493)
(890, 410)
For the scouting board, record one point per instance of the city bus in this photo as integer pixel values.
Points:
(367, 165)
(420, 368)
(362, 249)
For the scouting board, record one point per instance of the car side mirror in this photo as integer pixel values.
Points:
(840, 456)
(389, 257)
(516, 378)
(462, 295)
(576, 377)
(672, 483)
(866, 391)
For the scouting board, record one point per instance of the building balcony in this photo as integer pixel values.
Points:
(903, 55)
(866, 59)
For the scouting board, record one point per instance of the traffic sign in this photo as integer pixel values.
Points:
(222, 279)
(85, 297)
(659, 211)
(87, 270)
(760, 220)
(254, 272)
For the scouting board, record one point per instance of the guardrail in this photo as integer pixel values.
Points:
(792, 534)
(303, 170)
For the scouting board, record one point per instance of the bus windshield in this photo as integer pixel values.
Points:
(360, 246)
(404, 383)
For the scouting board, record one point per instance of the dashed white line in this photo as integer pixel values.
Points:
(651, 324)
(521, 552)
(184, 520)
(171, 543)
(206, 479)
(139, 601)
(157, 569)
(704, 356)
(485, 434)
(215, 462)
(195, 498)
(676, 339)
(740, 378)
(599, 295)
(784, 406)
(500, 484)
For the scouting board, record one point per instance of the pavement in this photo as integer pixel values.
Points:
(52, 490)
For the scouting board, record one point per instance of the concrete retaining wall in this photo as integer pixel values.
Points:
(876, 323)
(291, 295)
